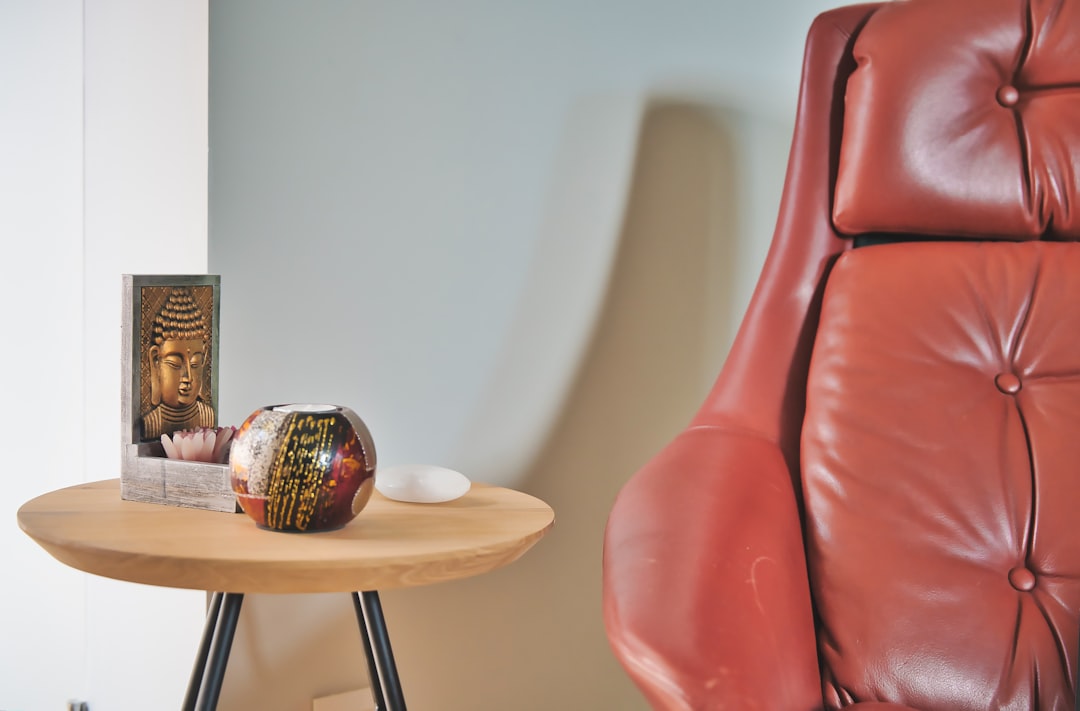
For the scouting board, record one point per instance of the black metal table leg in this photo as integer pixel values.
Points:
(223, 632)
(369, 655)
(208, 673)
(385, 684)
(204, 651)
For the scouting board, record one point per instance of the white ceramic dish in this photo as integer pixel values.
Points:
(421, 483)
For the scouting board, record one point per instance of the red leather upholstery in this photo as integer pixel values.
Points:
(720, 594)
(940, 475)
(964, 119)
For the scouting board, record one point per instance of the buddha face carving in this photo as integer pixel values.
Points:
(177, 367)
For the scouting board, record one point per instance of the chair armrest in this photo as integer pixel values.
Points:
(706, 599)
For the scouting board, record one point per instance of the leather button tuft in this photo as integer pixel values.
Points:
(1022, 579)
(1007, 383)
(1008, 96)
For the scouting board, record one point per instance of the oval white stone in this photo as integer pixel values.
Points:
(421, 483)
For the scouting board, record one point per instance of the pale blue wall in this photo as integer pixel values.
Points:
(415, 204)
(516, 238)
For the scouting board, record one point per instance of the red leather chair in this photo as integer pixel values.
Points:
(878, 503)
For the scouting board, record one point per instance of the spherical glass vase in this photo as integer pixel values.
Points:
(302, 467)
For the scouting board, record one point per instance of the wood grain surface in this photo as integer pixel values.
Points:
(389, 545)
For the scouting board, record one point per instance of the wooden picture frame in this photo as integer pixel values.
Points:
(170, 350)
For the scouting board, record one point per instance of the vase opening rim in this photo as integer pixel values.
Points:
(305, 407)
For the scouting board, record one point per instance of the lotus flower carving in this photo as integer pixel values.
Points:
(204, 444)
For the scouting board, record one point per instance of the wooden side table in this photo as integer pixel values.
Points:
(389, 545)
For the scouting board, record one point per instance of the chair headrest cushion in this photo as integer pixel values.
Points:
(962, 119)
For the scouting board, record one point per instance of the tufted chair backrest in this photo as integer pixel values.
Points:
(940, 456)
(963, 119)
(941, 479)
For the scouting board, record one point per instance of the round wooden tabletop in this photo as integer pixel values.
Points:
(389, 545)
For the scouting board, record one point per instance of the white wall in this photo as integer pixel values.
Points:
(42, 659)
(104, 140)
(516, 238)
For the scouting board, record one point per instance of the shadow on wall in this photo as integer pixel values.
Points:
(530, 636)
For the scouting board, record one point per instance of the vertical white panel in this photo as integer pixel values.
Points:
(41, 346)
(83, 203)
(146, 168)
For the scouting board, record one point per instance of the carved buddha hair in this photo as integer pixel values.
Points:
(178, 320)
